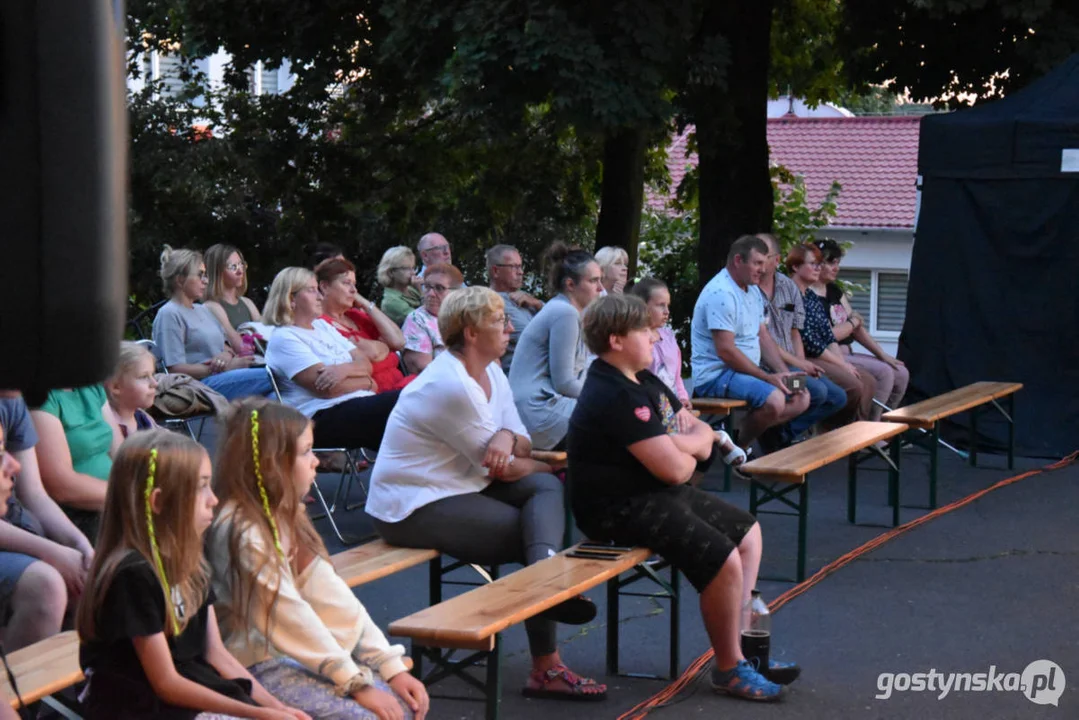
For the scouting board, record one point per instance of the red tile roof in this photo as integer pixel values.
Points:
(874, 158)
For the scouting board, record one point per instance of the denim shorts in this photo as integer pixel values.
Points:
(731, 384)
(12, 566)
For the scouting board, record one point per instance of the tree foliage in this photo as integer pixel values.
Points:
(945, 50)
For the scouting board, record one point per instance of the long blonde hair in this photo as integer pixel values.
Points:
(249, 493)
(124, 527)
(288, 282)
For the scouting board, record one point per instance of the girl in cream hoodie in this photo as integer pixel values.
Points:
(284, 611)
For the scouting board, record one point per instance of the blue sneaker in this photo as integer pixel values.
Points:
(745, 682)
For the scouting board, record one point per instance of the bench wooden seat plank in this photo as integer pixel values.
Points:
(377, 559)
(470, 621)
(43, 668)
(797, 461)
(716, 406)
(927, 412)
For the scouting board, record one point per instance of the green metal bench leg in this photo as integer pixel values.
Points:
(613, 625)
(934, 445)
(494, 679)
(676, 595)
(974, 437)
(726, 478)
(803, 510)
(753, 498)
(1011, 431)
(852, 487)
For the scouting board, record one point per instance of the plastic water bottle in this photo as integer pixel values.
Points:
(756, 631)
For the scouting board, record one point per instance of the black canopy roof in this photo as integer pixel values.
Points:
(1021, 135)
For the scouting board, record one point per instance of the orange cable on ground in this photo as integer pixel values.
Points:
(639, 711)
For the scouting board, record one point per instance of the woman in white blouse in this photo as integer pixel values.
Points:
(322, 374)
(454, 474)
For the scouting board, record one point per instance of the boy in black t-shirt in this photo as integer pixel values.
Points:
(632, 448)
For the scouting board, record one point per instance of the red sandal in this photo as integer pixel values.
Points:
(561, 683)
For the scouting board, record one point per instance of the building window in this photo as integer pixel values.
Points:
(891, 301)
(164, 68)
(262, 81)
(883, 301)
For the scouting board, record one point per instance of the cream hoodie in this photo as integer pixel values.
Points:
(317, 620)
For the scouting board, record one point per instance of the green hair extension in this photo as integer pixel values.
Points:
(262, 485)
(153, 543)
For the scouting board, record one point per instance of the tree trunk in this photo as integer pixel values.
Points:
(623, 192)
(732, 126)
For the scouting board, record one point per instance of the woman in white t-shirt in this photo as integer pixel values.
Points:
(322, 374)
(454, 474)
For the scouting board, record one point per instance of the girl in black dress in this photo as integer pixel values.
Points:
(150, 644)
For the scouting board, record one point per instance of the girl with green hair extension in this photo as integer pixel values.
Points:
(285, 613)
(150, 644)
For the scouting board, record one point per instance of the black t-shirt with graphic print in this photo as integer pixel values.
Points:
(134, 606)
(613, 413)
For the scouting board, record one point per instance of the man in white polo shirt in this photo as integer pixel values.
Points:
(729, 337)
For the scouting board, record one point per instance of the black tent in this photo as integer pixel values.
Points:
(994, 282)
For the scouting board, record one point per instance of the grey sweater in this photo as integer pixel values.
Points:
(548, 370)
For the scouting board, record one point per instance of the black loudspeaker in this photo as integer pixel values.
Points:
(63, 216)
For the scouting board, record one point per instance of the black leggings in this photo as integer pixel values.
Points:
(356, 423)
(508, 522)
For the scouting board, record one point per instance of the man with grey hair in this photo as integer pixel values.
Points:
(729, 341)
(506, 273)
(434, 249)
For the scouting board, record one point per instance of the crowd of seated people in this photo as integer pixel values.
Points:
(453, 386)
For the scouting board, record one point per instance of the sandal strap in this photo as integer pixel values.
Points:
(568, 676)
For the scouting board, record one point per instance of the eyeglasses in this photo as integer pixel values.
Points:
(201, 275)
(438, 248)
(514, 267)
(814, 265)
(233, 267)
(438, 289)
(503, 321)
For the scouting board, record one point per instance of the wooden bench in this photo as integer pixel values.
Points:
(925, 417)
(474, 620)
(786, 471)
(377, 559)
(44, 668)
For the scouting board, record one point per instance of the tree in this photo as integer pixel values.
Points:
(347, 162)
(940, 50)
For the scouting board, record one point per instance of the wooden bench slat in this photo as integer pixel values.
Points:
(377, 559)
(795, 462)
(43, 668)
(925, 413)
(555, 458)
(716, 406)
(471, 620)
